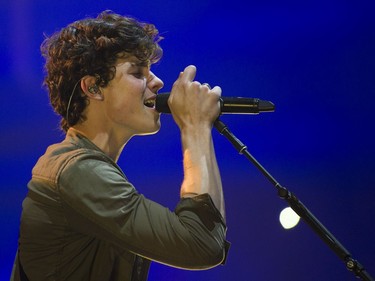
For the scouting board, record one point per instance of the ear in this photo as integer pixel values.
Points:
(90, 88)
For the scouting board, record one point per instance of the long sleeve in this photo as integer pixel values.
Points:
(100, 201)
(82, 219)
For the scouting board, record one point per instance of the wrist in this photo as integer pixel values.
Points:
(196, 132)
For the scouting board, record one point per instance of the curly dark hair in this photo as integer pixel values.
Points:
(91, 47)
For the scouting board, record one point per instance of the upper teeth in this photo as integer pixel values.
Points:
(149, 103)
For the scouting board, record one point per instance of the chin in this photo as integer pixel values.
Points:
(151, 131)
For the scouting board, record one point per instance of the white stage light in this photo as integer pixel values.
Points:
(288, 218)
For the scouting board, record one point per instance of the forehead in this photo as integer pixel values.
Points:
(132, 60)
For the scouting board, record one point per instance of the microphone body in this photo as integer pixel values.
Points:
(228, 105)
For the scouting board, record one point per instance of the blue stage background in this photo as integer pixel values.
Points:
(314, 59)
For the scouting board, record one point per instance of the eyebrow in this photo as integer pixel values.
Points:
(140, 63)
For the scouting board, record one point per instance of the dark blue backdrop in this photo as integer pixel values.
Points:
(314, 59)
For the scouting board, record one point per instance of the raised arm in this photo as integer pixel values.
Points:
(195, 107)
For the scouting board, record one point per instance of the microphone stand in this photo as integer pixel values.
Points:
(351, 264)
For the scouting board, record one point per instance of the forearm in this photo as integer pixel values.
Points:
(201, 172)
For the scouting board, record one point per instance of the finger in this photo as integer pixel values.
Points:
(207, 85)
(189, 74)
(217, 90)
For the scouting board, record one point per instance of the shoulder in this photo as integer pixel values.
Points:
(65, 154)
(91, 171)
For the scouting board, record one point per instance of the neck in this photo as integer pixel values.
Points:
(107, 140)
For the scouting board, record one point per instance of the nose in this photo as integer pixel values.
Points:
(155, 84)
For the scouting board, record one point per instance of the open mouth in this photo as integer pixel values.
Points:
(150, 103)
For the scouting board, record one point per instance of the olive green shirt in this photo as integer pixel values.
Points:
(83, 220)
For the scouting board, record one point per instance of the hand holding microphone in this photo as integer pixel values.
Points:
(191, 102)
(228, 105)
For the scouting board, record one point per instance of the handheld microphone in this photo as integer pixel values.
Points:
(228, 105)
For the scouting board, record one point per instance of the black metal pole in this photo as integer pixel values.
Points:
(350, 263)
